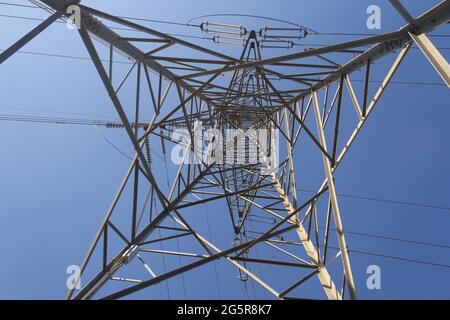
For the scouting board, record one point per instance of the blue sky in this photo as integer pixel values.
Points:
(57, 180)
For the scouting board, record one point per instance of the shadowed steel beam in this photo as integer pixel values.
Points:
(217, 255)
(402, 10)
(29, 36)
(354, 98)
(97, 282)
(156, 33)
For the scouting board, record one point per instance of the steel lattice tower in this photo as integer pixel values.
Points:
(217, 91)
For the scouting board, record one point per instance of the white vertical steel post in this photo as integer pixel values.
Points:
(334, 203)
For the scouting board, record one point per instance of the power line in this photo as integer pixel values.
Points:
(389, 238)
(395, 257)
(413, 204)
(189, 24)
(211, 38)
(91, 122)
(19, 5)
(368, 34)
(69, 121)
(52, 111)
(366, 46)
(396, 239)
(112, 144)
(122, 17)
(441, 145)
(64, 56)
(375, 254)
(54, 120)
(250, 16)
(125, 62)
(429, 263)
(112, 28)
(406, 203)
(406, 82)
(161, 21)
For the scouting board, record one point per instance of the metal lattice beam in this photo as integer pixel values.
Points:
(250, 100)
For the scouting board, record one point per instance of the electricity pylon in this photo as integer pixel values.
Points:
(299, 95)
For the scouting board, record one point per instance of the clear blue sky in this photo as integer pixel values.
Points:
(57, 181)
